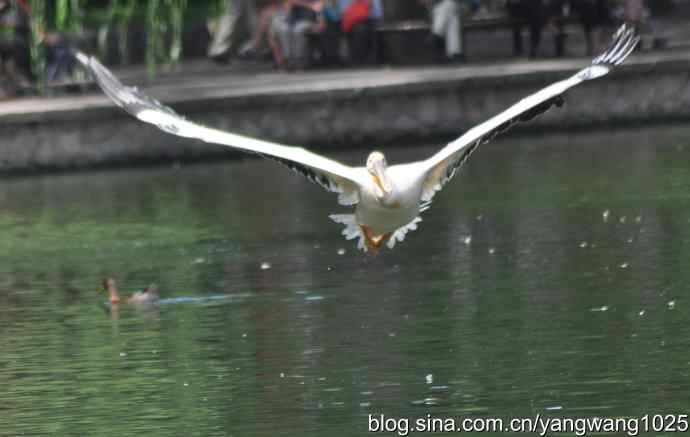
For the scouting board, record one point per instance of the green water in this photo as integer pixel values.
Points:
(552, 308)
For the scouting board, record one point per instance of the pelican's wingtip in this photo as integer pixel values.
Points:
(623, 43)
(83, 58)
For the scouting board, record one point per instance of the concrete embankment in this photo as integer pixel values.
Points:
(333, 110)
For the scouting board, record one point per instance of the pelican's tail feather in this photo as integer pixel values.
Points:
(399, 235)
(352, 229)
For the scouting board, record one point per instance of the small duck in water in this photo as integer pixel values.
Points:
(148, 296)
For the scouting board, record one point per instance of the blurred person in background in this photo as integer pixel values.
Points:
(59, 57)
(329, 27)
(596, 17)
(15, 60)
(533, 12)
(226, 30)
(359, 24)
(634, 13)
(238, 22)
(446, 26)
(538, 14)
(652, 23)
(288, 35)
(253, 46)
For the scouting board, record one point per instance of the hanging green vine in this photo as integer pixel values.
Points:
(105, 27)
(177, 9)
(69, 16)
(164, 21)
(158, 28)
(37, 51)
(154, 36)
(123, 20)
(61, 14)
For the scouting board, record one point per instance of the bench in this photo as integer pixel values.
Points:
(402, 42)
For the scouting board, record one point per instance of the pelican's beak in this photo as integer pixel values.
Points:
(383, 184)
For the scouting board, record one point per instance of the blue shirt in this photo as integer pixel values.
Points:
(333, 12)
(376, 9)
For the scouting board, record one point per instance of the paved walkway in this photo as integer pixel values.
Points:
(200, 82)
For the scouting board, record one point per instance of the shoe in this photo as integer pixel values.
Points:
(221, 59)
(247, 51)
(457, 59)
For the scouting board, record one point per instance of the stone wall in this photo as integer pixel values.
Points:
(411, 108)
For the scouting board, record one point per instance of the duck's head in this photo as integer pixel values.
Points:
(378, 169)
(110, 287)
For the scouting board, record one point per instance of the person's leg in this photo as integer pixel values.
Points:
(439, 19)
(251, 17)
(368, 44)
(4, 58)
(289, 44)
(223, 29)
(439, 30)
(21, 62)
(535, 28)
(276, 51)
(587, 30)
(356, 45)
(265, 18)
(535, 38)
(246, 23)
(604, 25)
(560, 38)
(279, 37)
(300, 42)
(360, 42)
(514, 13)
(588, 18)
(267, 14)
(330, 43)
(454, 49)
(260, 33)
(63, 61)
(5, 52)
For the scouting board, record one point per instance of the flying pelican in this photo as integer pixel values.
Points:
(388, 200)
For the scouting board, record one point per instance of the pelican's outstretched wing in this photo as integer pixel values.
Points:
(331, 175)
(442, 166)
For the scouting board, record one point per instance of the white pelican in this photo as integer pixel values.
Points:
(388, 200)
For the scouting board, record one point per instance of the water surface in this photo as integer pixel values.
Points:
(550, 277)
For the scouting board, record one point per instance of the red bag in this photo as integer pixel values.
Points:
(357, 12)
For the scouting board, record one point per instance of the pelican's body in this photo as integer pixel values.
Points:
(377, 222)
(383, 219)
(388, 201)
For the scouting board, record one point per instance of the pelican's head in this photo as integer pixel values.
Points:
(377, 168)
